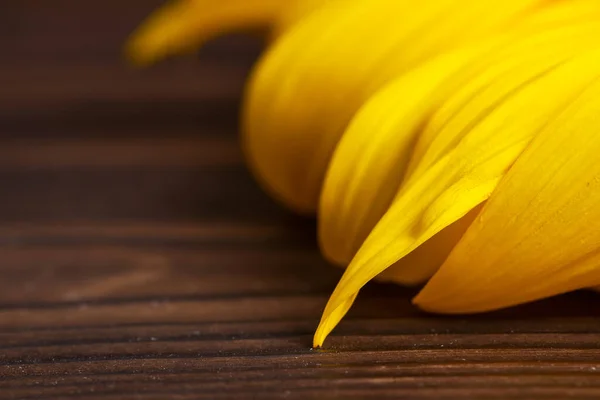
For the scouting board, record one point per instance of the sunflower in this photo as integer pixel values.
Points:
(448, 146)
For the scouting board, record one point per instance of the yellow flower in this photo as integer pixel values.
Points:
(439, 144)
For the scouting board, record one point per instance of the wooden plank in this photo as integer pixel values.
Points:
(197, 117)
(160, 193)
(62, 277)
(120, 153)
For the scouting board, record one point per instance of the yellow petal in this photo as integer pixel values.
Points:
(351, 48)
(460, 180)
(555, 13)
(420, 264)
(503, 73)
(366, 169)
(294, 11)
(538, 234)
(182, 26)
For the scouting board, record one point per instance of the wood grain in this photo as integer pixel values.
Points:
(140, 260)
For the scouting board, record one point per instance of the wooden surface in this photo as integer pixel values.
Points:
(139, 260)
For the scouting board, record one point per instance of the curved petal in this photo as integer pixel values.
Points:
(351, 48)
(538, 234)
(369, 163)
(461, 180)
(182, 26)
(524, 60)
(422, 263)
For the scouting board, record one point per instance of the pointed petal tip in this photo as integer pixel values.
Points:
(436, 306)
(152, 40)
(441, 298)
(317, 342)
(136, 56)
(428, 305)
(332, 317)
(323, 330)
(438, 297)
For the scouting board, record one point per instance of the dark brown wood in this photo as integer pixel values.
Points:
(140, 260)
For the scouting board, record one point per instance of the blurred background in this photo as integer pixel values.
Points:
(84, 136)
(123, 184)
